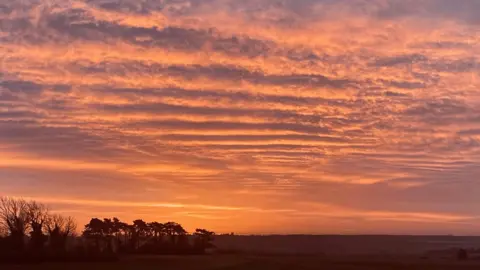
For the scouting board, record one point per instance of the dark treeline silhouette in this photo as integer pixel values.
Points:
(114, 236)
(30, 231)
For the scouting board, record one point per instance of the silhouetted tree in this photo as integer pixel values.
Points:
(108, 233)
(203, 239)
(14, 220)
(132, 236)
(125, 230)
(179, 230)
(158, 230)
(140, 232)
(173, 230)
(94, 230)
(38, 217)
(118, 228)
(60, 228)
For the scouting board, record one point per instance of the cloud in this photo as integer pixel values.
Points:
(394, 94)
(21, 86)
(407, 85)
(81, 26)
(457, 65)
(365, 107)
(399, 60)
(217, 72)
(470, 132)
(54, 141)
(229, 126)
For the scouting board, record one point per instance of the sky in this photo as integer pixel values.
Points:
(252, 116)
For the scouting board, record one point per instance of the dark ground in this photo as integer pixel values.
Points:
(240, 262)
(344, 244)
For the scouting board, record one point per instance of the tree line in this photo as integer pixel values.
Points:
(29, 228)
(113, 235)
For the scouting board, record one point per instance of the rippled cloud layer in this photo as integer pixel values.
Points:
(305, 116)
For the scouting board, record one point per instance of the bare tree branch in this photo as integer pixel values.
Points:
(38, 215)
(14, 215)
(65, 226)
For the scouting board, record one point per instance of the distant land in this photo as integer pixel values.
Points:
(344, 244)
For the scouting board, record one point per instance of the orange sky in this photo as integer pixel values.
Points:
(257, 116)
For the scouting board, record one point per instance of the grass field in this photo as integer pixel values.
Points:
(224, 262)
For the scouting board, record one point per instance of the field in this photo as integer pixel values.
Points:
(240, 262)
(304, 252)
